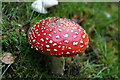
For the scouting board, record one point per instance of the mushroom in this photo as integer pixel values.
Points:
(41, 5)
(58, 37)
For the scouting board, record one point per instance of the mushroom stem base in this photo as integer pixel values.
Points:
(57, 65)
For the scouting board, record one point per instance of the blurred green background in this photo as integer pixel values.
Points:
(100, 60)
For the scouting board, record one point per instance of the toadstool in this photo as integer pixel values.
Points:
(41, 5)
(58, 37)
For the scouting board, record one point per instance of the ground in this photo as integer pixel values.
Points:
(100, 60)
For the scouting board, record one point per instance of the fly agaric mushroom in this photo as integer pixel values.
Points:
(58, 37)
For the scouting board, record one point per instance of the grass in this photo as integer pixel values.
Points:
(100, 59)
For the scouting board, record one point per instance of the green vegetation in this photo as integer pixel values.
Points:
(100, 60)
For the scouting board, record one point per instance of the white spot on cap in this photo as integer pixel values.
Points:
(44, 33)
(54, 44)
(49, 34)
(34, 40)
(60, 30)
(66, 35)
(42, 39)
(59, 46)
(77, 51)
(50, 41)
(36, 30)
(42, 30)
(69, 48)
(36, 48)
(57, 37)
(63, 47)
(75, 43)
(74, 36)
(46, 38)
(81, 41)
(81, 45)
(54, 49)
(38, 34)
(61, 52)
(76, 32)
(50, 29)
(48, 49)
(59, 26)
(79, 29)
(47, 46)
(37, 43)
(54, 31)
(84, 36)
(66, 41)
(73, 51)
(68, 53)
(84, 31)
(72, 31)
(31, 46)
(60, 43)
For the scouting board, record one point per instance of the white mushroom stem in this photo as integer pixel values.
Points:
(56, 65)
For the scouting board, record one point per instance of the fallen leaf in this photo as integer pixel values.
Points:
(7, 58)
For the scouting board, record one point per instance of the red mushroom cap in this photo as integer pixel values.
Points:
(58, 37)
